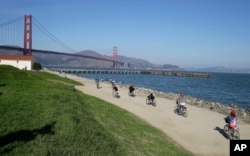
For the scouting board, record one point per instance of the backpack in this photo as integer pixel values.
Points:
(229, 118)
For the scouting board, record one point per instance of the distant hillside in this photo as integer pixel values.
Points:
(221, 70)
(140, 63)
(135, 63)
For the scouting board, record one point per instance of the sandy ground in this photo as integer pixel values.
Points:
(201, 132)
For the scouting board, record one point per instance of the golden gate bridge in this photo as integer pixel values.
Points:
(17, 35)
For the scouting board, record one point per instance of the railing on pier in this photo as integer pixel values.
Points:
(127, 71)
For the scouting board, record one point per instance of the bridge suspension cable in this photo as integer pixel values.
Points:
(51, 36)
(11, 32)
(11, 21)
(17, 33)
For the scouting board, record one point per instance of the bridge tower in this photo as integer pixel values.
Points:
(115, 57)
(27, 41)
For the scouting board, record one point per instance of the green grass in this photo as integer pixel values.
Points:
(42, 114)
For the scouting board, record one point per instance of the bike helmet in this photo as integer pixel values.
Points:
(233, 113)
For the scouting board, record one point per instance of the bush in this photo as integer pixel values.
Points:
(36, 66)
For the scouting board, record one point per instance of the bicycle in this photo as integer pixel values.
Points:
(232, 133)
(115, 94)
(183, 110)
(151, 101)
(131, 93)
(97, 85)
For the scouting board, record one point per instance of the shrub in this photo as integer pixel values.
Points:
(36, 66)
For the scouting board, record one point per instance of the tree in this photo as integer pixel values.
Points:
(36, 66)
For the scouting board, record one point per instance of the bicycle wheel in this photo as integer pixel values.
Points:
(185, 112)
(235, 135)
(226, 128)
(176, 109)
(230, 134)
(154, 103)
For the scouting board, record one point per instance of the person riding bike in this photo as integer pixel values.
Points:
(181, 102)
(231, 119)
(151, 97)
(131, 89)
(115, 90)
(97, 81)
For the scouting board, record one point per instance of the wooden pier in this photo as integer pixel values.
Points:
(131, 71)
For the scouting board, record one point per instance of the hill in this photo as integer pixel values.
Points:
(55, 60)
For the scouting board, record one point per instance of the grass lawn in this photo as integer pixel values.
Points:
(42, 114)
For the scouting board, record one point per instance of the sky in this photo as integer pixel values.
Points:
(186, 33)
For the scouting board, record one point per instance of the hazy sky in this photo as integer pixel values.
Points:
(187, 33)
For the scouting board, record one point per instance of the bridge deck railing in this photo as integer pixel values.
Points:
(146, 72)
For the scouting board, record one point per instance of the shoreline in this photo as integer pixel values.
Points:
(201, 103)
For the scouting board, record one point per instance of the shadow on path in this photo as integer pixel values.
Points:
(221, 131)
(25, 136)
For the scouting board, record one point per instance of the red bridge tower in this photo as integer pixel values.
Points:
(115, 57)
(27, 41)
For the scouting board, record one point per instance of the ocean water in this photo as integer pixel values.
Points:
(225, 88)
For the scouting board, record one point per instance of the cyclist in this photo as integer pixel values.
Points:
(131, 89)
(181, 102)
(115, 90)
(151, 97)
(231, 119)
(97, 81)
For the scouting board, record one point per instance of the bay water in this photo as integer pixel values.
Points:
(225, 88)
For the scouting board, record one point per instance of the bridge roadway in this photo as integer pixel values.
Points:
(132, 71)
(20, 49)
